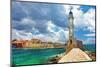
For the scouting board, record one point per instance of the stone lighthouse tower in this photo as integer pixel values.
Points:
(71, 42)
(71, 24)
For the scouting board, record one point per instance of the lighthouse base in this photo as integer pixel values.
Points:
(72, 43)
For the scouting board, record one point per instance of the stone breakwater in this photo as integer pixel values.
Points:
(75, 55)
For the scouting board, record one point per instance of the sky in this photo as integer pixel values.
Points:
(49, 22)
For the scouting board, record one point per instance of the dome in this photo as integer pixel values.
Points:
(70, 12)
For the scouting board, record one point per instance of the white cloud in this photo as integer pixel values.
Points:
(62, 35)
(16, 34)
(89, 17)
(27, 21)
(90, 35)
(82, 20)
(51, 26)
(26, 24)
(67, 9)
(86, 21)
(57, 36)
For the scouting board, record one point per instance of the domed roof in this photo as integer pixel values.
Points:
(70, 12)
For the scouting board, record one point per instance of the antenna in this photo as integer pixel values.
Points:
(71, 8)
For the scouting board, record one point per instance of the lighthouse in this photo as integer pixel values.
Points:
(71, 41)
(74, 52)
(71, 24)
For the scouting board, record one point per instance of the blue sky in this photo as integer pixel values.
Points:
(49, 22)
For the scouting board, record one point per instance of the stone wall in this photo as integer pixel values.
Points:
(35, 43)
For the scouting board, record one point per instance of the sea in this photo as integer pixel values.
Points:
(39, 56)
